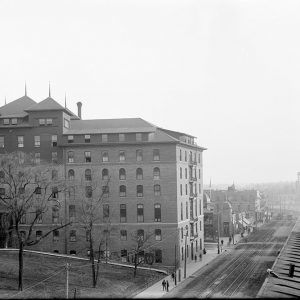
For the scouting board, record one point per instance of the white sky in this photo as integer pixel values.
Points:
(224, 71)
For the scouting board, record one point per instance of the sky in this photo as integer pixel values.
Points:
(226, 72)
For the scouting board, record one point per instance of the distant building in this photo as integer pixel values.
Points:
(155, 186)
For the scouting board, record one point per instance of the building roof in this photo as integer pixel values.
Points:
(17, 107)
(47, 104)
(109, 126)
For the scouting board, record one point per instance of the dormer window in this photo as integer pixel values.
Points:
(5, 121)
(14, 121)
(66, 123)
(121, 137)
(138, 137)
(104, 138)
(42, 122)
(87, 138)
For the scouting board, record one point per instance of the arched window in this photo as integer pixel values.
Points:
(122, 174)
(139, 191)
(88, 174)
(157, 191)
(104, 174)
(71, 174)
(122, 191)
(139, 173)
(156, 173)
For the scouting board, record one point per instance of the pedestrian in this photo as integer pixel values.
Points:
(163, 284)
(222, 242)
(167, 283)
(230, 240)
(204, 251)
(173, 276)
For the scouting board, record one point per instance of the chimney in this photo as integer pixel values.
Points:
(79, 105)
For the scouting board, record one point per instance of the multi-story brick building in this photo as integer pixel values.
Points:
(154, 187)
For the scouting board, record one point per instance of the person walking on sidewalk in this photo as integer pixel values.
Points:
(163, 284)
(173, 276)
(167, 283)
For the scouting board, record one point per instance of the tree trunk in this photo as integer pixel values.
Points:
(92, 260)
(135, 265)
(21, 246)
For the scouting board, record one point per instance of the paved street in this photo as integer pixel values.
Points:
(242, 271)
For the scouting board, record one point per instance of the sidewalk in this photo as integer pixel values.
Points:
(156, 291)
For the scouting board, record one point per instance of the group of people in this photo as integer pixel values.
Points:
(165, 285)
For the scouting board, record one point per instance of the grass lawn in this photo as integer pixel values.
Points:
(114, 281)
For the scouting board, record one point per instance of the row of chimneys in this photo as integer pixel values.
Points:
(79, 105)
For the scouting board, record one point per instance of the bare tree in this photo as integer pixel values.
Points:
(91, 202)
(26, 193)
(141, 243)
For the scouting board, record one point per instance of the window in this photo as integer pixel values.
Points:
(186, 210)
(140, 234)
(122, 155)
(42, 122)
(139, 191)
(2, 191)
(121, 137)
(72, 235)
(157, 234)
(39, 217)
(140, 213)
(37, 141)
(5, 121)
(185, 156)
(181, 232)
(123, 214)
(186, 189)
(37, 158)
(182, 253)
(156, 154)
(87, 156)
(199, 158)
(38, 235)
(23, 235)
(199, 173)
(72, 213)
(87, 235)
(55, 236)
(199, 188)
(180, 189)
(122, 191)
(70, 139)
(200, 225)
(105, 211)
(156, 173)
(14, 121)
(66, 123)
(1, 141)
(54, 157)
(104, 138)
(181, 211)
(200, 207)
(180, 155)
(70, 156)
(2, 174)
(55, 214)
(139, 155)
(49, 121)
(196, 207)
(138, 137)
(54, 174)
(54, 192)
(105, 156)
(124, 255)
(122, 174)
(104, 174)
(20, 141)
(185, 173)
(23, 219)
(105, 190)
(180, 172)
(123, 235)
(54, 140)
(88, 174)
(157, 190)
(157, 213)
(88, 191)
(139, 173)
(87, 138)
(71, 174)
(158, 256)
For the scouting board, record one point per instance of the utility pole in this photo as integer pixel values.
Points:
(185, 251)
(67, 281)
